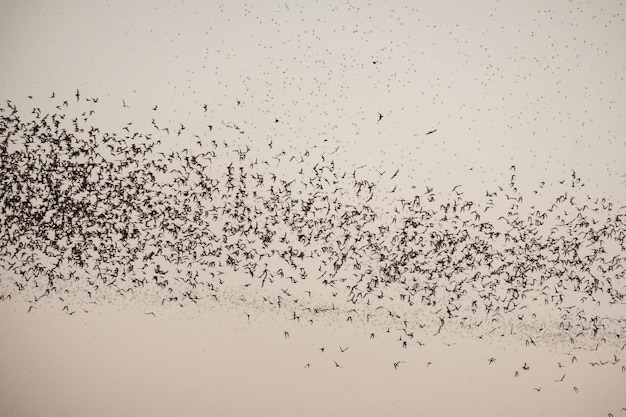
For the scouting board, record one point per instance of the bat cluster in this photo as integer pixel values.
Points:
(89, 216)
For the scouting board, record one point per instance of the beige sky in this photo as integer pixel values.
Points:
(536, 84)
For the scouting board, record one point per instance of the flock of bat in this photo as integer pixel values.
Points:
(89, 217)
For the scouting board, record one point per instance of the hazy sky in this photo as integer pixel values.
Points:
(537, 84)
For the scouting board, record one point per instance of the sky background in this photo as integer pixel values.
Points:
(539, 85)
(535, 84)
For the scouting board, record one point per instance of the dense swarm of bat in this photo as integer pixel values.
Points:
(89, 216)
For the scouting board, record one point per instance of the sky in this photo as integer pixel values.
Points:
(538, 85)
